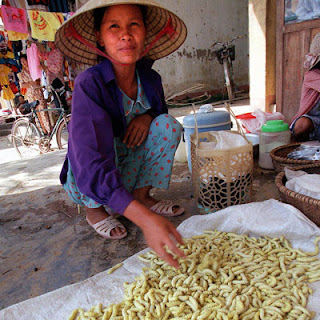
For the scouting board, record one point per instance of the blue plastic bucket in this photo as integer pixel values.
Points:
(212, 121)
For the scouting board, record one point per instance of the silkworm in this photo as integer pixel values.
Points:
(224, 275)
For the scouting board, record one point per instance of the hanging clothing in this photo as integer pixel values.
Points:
(54, 60)
(68, 70)
(14, 19)
(7, 93)
(34, 62)
(4, 73)
(44, 24)
(16, 36)
(34, 93)
(59, 6)
(38, 2)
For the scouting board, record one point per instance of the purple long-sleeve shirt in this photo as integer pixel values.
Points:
(98, 117)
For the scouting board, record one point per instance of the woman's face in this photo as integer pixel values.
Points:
(122, 33)
(24, 63)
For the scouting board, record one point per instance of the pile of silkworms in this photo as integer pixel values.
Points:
(225, 276)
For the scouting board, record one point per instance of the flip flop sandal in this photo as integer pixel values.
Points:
(165, 208)
(105, 226)
(112, 212)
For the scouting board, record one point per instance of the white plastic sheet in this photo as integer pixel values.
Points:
(270, 217)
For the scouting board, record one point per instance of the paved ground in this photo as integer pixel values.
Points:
(45, 244)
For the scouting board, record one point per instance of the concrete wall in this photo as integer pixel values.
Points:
(207, 21)
(262, 30)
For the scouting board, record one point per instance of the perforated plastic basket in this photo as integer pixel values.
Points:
(221, 178)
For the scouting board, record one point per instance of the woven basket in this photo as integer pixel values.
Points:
(221, 178)
(309, 206)
(280, 158)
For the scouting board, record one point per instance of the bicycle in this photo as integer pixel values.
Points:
(226, 54)
(28, 140)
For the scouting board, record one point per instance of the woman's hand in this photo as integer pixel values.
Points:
(158, 232)
(137, 131)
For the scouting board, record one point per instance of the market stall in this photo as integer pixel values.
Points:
(31, 31)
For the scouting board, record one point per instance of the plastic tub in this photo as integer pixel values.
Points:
(274, 133)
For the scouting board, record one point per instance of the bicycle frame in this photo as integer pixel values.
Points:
(226, 52)
(28, 131)
(62, 115)
(225, 55)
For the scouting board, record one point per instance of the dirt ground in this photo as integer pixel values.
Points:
(46, 244)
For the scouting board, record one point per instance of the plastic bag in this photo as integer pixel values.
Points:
(306, 152)
(223, 140)
(206, 108)
(303, 183)
(253, 121)
(308, 9)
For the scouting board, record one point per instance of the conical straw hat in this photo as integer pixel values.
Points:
(166, 32)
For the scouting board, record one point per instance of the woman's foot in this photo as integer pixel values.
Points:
(95, 216)
(143, 196)
(167, 208)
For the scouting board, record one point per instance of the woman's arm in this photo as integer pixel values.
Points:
(137, 130)
(91, 146)
(312, 79)
(158, 232)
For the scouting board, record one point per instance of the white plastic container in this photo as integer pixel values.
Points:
(274, 133)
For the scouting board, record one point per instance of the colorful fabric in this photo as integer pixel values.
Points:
(69, 71)
(55, 64)
(7, 55)
(147, 165)
(34, 62)
(4, 42)
(44, 24)
(4, 73)
(38, 2)
(151, 165)
(310, 92)
(16, 36)
(97, 118)
(7, 93)
(13, 87)
(14, 19)
(35, 93)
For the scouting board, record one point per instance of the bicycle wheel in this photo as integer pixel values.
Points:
(25, 138)
(62, 132)
(228, 75)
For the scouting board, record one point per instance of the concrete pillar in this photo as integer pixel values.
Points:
(262, 53)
